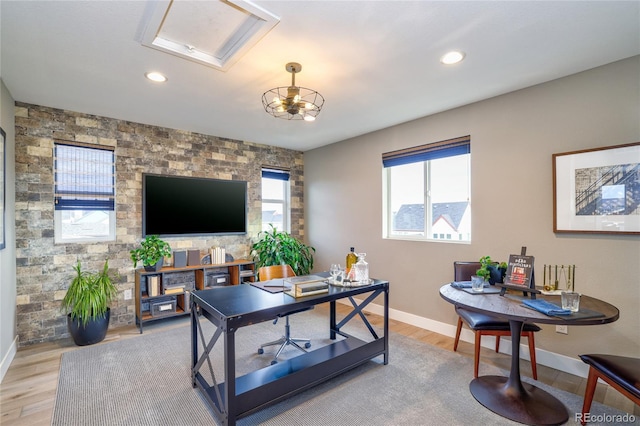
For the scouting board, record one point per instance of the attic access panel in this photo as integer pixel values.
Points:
(214, 33)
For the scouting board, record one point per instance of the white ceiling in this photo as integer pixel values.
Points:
(376, 63)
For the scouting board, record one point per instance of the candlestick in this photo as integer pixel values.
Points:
(544, 276)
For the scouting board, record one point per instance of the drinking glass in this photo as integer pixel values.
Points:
(570, 300)
(477, 283)
(334, 270)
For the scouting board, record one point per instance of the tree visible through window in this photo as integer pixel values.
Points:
(427, 191)
(84, 193)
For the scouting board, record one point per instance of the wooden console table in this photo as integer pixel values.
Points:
(229, 308)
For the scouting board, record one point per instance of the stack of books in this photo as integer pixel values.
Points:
(218, 255)
(174, 289)
(153, 285)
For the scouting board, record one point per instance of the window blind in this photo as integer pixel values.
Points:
(275, 174)
(431, 151)
(84, 177)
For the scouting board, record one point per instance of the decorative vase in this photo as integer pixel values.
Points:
(92, 332)
(156, 267)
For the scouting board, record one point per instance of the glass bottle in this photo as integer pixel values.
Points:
(362, 270)
(351, 260)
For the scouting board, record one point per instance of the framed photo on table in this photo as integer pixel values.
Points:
(3, 179)
(596, 191)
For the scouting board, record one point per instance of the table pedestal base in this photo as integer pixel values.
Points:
(524, 403)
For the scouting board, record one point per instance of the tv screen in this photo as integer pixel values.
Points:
(176, 206)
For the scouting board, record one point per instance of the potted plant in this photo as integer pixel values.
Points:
(492, 271)
(151, 253)
(280, 248)
(87, 304)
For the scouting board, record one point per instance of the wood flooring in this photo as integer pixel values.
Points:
(27, 393)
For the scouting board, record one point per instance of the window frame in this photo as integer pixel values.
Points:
(110, 205)
(424, 154)
(283, 175)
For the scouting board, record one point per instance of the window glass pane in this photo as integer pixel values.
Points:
(407, 199)
(429, 200)
(272, 213)
(84, 225)
(273, 189)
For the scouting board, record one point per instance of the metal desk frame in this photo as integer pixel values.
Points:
(230, 308)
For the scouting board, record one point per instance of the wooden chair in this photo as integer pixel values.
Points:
(266, 273)
(486, 325)
(621, 373)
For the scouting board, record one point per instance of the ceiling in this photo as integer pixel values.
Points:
(376, 63)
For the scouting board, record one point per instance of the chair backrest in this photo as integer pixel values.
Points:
(277, 271)
(462, 271)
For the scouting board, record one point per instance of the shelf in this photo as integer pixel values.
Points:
(194, 278)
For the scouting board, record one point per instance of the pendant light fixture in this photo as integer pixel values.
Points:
(293, 102)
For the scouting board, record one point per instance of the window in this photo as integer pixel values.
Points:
(84, 193)
(427, 192)
(276, 200)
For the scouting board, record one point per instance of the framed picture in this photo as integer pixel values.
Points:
(597, 190)
(3, 178)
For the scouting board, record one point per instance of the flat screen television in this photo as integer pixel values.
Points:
(188, 206)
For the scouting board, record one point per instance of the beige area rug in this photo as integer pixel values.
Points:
(146, 381)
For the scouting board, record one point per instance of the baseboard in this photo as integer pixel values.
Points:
(8, 358)
(543, 357)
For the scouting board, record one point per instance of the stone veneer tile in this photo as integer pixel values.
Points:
(44, 269)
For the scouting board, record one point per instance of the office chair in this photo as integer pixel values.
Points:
(266, 273)
(486, 325)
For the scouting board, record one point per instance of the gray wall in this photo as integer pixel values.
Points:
(512, 140)
(8, 254)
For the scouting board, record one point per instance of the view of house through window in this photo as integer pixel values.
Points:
(275, 200)
(427, 192)
(84, 193)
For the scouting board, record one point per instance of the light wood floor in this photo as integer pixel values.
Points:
(27, 393)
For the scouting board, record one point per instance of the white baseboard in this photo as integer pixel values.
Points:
(559, 362)
(8, 358)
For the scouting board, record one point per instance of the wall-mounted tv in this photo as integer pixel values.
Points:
(188, 206)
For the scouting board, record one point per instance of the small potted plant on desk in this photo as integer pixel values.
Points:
(491, 271)
(87, 304)
(151, 253)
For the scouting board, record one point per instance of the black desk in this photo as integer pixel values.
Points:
(230, 308)
(509, 397)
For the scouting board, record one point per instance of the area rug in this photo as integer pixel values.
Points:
(146, 381)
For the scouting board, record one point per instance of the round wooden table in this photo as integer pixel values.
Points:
(509, 396)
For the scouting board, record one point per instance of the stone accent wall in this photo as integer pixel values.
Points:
(44, 269)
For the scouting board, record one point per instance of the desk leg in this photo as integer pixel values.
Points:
(510, 398)
(332, 320)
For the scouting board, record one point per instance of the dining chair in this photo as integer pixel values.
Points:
(266, 273)
(486, 325)
(620, 372)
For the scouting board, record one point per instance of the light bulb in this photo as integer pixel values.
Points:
(277, 101)
(309, 117)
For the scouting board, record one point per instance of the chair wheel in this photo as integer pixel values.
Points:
(260, 351)
(307, 345)
(274, 362)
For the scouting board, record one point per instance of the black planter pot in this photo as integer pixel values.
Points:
(156, 267)
(93, 331)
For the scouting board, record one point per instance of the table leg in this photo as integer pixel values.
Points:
(510, 398)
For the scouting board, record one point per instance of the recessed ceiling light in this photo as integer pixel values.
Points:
(155, 76)
(452, 57)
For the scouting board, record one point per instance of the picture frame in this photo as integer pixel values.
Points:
(591, 190)
(3, 196)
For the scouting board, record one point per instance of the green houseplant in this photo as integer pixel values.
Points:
(87, 304)
(151, 253)
(280, 248)
(491, 271)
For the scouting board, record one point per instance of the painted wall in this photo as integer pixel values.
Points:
(513, 137)
(8, 254)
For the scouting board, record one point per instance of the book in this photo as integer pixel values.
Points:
(153, 285)
(520, 271)
(174, 290)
